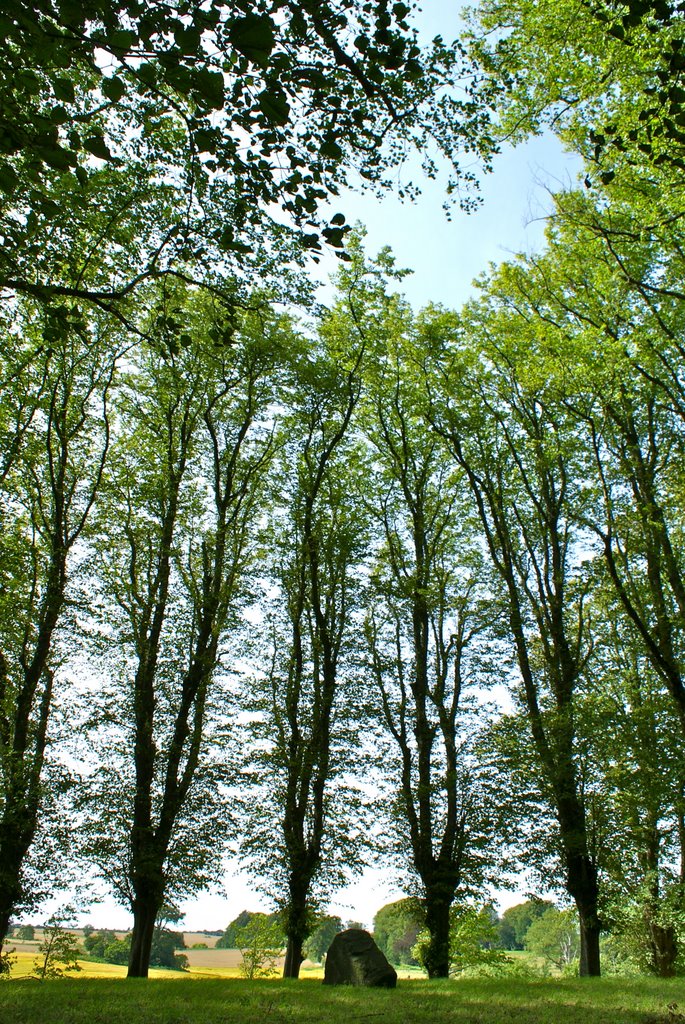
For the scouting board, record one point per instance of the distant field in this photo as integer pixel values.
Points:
(473, 1001)
(225, 966)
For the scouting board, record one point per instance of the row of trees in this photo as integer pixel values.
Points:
(406, 510)
(271, 570)
(153, 165)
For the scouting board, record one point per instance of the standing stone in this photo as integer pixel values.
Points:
(353, 958)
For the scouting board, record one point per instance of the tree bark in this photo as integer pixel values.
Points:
(296, 923)
(293, 958)
(437, 956)
(145, 910)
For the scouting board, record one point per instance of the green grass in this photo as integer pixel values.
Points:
(234, 1001)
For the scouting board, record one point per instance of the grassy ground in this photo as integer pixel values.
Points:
(215, 1001)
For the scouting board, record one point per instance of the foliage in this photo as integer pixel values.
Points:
(473, 941)
(515, 922)
(96, 942)
(260, 942)
(603, 75)
(325, 929)
(117, 951)
(7, 961)
(131, 127)
(395, 930)
(163, 953)
(227, 939)
(554, 936)
(25, 932)
(58, 951)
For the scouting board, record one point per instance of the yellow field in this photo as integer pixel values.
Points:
(25, 961)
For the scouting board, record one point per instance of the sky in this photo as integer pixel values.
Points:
(445, 257)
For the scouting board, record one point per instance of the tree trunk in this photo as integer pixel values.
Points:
(437, 957)
(145, 910)
(293, 958)
(16, 835)
(582, 885)
(589, 946)
(296, 924)
(664, 949)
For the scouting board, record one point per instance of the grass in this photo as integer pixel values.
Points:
(196, 1000)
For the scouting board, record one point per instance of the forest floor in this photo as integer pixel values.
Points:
(236, 1001)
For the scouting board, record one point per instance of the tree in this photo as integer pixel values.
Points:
(627, 399)
(507, 430)
(395, 930)
(260, 942)
(163, 949)
(554, 936)
(97, 942)
(428, 616)
(603, 75)
(25, 932)
(227, 939)
(58, 951)
(55, 428)
(184, 482)
(473, 938)
(302, 732)
(516, 921)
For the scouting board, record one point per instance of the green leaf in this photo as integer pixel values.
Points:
(96, 145)
(254, 37)
(113, 88)
(227, 241)
(331, 149)
(122, 40)
(8, 179)
(63, 89)
(275, 105)
(29, 82)
(210, 86)
(57, 157)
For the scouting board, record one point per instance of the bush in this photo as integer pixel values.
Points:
(57, 952)
(117, 951)
(260, 943)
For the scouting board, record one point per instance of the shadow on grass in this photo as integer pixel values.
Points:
(215, 1001)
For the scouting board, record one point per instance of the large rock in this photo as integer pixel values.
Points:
(353, 958)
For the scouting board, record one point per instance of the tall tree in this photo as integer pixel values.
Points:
(55, 426)
(191, 449)
(527, 473)
(306, 701)
(427, 628)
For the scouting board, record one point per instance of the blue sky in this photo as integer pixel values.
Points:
(445, 256)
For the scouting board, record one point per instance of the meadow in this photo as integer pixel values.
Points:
(201, 1000)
